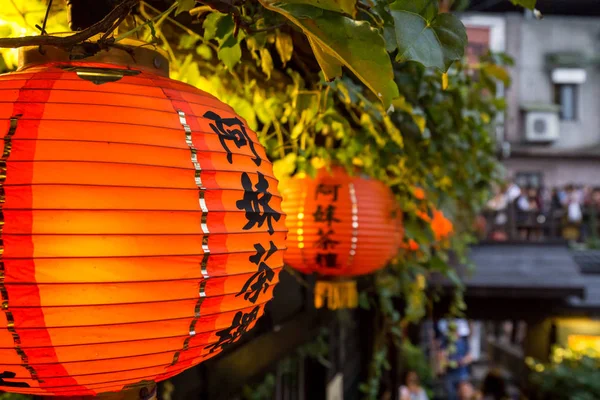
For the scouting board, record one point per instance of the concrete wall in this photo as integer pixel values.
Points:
(557, 173)
(529, 43)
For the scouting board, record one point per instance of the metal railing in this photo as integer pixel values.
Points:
(512, 224)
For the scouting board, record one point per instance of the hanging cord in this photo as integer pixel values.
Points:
(43, 27)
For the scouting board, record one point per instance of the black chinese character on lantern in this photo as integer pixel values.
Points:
(11, 375)
(260, 280)
(256, 203)
(328, 260)
(239, 326)
(325, 241)
(327, 215)
(233, 130)
(327, 190)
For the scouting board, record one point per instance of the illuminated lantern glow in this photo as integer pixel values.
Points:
(142, 230)
(340, 226)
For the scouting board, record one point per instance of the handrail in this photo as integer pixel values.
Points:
(512, 224)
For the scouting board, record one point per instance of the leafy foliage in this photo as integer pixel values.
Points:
(13, 396)
(524, 3)
(414, 360)
(338, 40)
(423, 35)
(424, 133)
(316, 349)
(571, 375)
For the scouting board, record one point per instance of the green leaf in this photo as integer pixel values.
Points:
(353, 44)
(285, 167)
(454, 278)
(266, 62)
(524, 3)
(437, 264)
(204, 51)
(244, 108)
(284, 46)
(427, 9)
(211, 24)
(230, 51)
(343, 6)
(330, 65)
(185, 5)
(363, 301)
(497, 72)
(225, 27)
(433, 42)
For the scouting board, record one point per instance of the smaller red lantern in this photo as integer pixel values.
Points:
(340, 226)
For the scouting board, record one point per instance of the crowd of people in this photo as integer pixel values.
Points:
(453, 367)
(492, 388)
(541, 212)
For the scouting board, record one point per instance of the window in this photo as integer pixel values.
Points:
(529, 179)
(565, 95)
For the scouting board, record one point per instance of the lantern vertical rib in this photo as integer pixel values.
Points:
(354, 240)
(116, 275)
(205, 232)
(10, 319)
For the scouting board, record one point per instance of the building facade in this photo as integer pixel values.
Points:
(550, 135)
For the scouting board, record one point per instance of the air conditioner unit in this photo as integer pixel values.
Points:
(541, 126)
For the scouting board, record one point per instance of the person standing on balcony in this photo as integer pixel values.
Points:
(513, 192)
(574, 215)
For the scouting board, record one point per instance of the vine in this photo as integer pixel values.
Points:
(317, 349)
(408, 111)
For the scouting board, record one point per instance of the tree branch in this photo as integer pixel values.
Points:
(105, 25)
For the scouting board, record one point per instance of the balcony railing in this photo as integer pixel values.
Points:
(511, 224)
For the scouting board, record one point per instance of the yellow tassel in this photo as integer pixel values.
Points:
(337, 294)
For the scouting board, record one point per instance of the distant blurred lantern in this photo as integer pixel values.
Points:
(340, 226)
(142, 231)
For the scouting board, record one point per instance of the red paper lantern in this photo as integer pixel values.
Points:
(141, 225)
(340, 226)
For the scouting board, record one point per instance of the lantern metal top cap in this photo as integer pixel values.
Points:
(131, 54)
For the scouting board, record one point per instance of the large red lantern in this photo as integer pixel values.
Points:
(340, 226)
(141, 225)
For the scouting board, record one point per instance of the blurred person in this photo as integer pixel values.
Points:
(595, 202)
(522, 202)
(513, 191)
(574, 216)
(524, 206)
(494, 386)
(455, 333)
(574, 208)
(586, 203)
(533, 196)
(536, 217)
(545, 196)
(556, 203)
(498, 204)
(564, 195)
(466, 391)
(499, 200)
(587, 196)
(412, 390)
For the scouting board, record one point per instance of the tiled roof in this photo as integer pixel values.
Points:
(522, 270)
